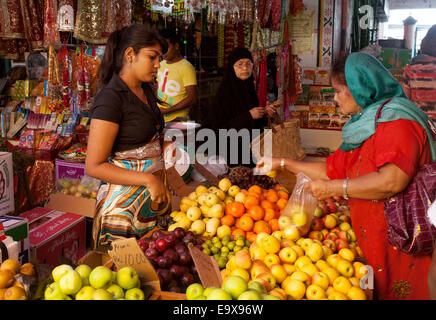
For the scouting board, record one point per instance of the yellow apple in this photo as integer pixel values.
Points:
(288, 255)
(342, 284)
(259, 238)
(284, 221)
(200, 190)
(321, 279)
(220, 194)
(193, 196)
(223, 231)
(332, 273)
(193, 213)
(225, 273)
(322, 264)
(356, 293)
(240, 197)
(299, 250)
(301, 276)
(202, 199)
(257, 268)
(347, 254)
(189, 202)
(184, 207)
(204, 210)
(324, 232)
(198, 227)
(345, 268)
(279, 234)
(216, 211)
(309, 268)
(278, 292)
(330, 221)
(336, 295)
(242, 259)
(315, 252)
(333, 259)
(233, 191)
(231, 264)
(242, 273)
(228, 200)
(354, 281)
(286, 243)
(359, 269)
(306, 243)
(294, 288)
(271, 259)
(279, 272)
(299, 219)
(270, 244)
(315, 292)
(258, 253)
(291, 232)
(301, 261)
(211, 199)
(327, 251)
(290, 268)
(224, 184)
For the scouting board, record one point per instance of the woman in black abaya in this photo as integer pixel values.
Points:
(236, 106)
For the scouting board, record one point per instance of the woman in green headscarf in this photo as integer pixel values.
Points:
(372, 165)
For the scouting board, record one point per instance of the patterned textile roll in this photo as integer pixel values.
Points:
(127, 211)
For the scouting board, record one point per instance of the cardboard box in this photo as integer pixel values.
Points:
(67, 169)
(54, 234)
(18, 229)
(6, 184)
(77, 205)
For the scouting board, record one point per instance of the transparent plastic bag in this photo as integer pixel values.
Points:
(300, 207)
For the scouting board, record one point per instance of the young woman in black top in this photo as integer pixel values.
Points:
(125, 139)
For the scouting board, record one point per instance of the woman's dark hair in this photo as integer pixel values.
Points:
(136, 36)
(338, 70)
(170, 34)
(428, 44)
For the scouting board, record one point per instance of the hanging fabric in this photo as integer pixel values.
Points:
(220, 45)
(263, 89)
(276, 12)
(11, 20)
(89, 21)
(33, 23)
(264, 11)
(51, 35)
(240, 34)
(65, 78)
(229, 34)
(65, 17)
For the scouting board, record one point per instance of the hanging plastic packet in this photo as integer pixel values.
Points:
(299, 210)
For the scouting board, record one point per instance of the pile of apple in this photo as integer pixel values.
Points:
(233, 288)
(229, 210)
(223, 248)
(10, 287)
(100, 283)
(298, 268)
(169, 255)
(75, 187)
(331, 225)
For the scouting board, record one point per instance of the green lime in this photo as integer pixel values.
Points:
(222, 262)
(218, 245)
(215, 239)
(225, 249)
(216, 256)
(247, 243)
(225, 242)
(245, 249)
(240, 243)
(241, 238)
(225, 238)
(236, 249)
(231, 245)
(224, 254)
(207, 251)
(208, 242)
(205, 246)
(214, 250)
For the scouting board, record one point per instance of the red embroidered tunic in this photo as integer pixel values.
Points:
(405, 144)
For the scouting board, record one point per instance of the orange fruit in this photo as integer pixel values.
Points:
(274, 224)
(283, 195)
(251, 236)
(262, 226)
(272, 196)
(254, 194)
(245, 223)
(282, 203)
(255, 189)
(256, 212)
(269, 214)
(244, 191)
(266, 204)
(237, 232)
(228, 220)
(250, 201)
(277, 187)
(235, 209)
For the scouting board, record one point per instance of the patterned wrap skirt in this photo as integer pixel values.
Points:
(124, 211)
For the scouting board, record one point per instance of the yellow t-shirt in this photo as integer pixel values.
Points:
(172, 79)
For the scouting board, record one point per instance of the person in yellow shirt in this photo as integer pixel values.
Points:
(177, 81)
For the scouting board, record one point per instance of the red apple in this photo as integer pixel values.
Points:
(316, 235)
(324, 208)
(330, 244)
(344, 236)
(331, 236)
(332, 207)
(317, 224)
(340, 244)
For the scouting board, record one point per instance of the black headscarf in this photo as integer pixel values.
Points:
(234, 99)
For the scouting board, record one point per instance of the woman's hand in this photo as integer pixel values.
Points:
(266, 164)
(257, 113)
(158, 191)
(270, 110)
(322, 189)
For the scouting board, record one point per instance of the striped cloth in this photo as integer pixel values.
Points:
(420, 84)
(127, 211)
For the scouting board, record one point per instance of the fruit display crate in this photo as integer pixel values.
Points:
(166, 295)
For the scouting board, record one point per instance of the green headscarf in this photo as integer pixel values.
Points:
(370, 85)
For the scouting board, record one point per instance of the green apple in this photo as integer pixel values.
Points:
(250, 295)
(53, 292)
(116, 291)
(85, 293)
(208, 290)
(256, 285)
(70, 283)
(269, 297)
(201, 298)
(194, 290)
(219, 294)
(102, 294)
(234, 285)
(127, 278)
(100, 277)
(60, 271)
(134, 294)
(84, 271)
(114, 277)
